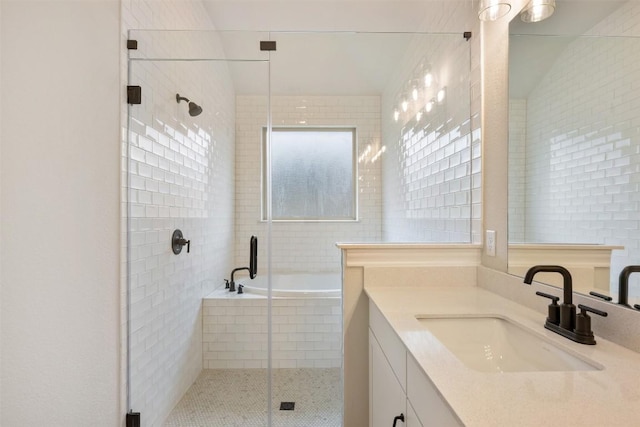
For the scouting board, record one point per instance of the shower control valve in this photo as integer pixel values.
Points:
(178, 241)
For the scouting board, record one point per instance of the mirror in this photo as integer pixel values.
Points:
(574, 144)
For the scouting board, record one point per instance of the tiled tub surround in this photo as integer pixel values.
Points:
(306, 332)
(517, 398)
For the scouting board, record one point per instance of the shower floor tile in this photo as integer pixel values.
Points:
(238, 397)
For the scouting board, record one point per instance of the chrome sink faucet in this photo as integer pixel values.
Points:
(562, 319)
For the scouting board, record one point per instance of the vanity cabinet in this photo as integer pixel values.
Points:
(397, 384)
(387, 398)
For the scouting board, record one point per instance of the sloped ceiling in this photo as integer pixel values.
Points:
(530, 58)
(344, 62)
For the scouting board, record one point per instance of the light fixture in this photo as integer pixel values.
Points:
(429, 106)
(396, 115)
(428, 79)
(441, 94)
(405, 106)
(414, 94)
(491, 10)
(418, 116)
(538, 10)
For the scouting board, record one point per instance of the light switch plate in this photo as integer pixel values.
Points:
(490, 242)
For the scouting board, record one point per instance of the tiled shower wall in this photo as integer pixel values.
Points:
(432, 164)
(305, 246)
(583, 137)
(181, 176)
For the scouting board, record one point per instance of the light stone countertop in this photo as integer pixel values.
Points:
(609, 397)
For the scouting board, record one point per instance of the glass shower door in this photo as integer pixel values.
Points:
(197, 352)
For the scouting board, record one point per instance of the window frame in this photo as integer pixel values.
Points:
(354, 172)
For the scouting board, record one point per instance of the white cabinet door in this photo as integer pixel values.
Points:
(387, 398)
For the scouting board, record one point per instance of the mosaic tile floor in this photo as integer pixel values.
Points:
(238, 397)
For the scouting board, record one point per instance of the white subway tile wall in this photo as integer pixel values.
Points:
(305, 246)
(306, 332)
(517, 168)
(583, 137)
(181, 176)
(432, 164)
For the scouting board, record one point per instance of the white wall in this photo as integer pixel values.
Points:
(60, 216)
(305, 246)
(181, 172)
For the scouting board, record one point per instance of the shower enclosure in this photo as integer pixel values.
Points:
(290, 137)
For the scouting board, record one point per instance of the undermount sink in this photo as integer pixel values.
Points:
(496, 344)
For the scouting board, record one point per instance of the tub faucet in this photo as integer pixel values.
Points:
(623, 283)
(253, 265)
(231, 285)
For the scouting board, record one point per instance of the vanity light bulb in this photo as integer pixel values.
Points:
(428, 80)
(396, 115)
(441, 94)
(414, 94)
(429, 106)
(538, 10)
(491, 10)
(405, 105)
(418, 116)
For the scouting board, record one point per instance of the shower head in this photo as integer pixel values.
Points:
(194, 109)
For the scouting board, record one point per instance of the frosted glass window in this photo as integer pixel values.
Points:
(313, 174)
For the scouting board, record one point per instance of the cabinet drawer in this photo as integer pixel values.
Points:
(430, 407)
(394, 349)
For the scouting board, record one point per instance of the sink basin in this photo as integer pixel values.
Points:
(496, 344)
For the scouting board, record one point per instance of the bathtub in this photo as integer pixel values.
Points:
(319, 285)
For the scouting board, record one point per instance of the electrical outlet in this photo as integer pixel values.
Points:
(490, 242)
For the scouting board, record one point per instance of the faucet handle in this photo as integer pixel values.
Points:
(602, 296)
(554, 299)
(553, 315)
(583, 324)
(585, 308)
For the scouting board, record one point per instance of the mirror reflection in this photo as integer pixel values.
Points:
(574, 145)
